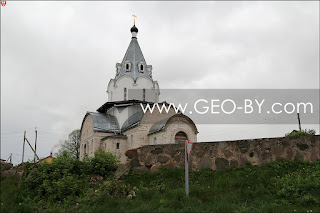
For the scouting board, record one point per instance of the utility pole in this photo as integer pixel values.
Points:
(32, 149)
(299, 121)
(24, 141)
(35, 145)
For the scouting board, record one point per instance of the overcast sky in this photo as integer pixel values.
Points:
(58, 57)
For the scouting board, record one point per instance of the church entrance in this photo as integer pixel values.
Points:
(180, 138)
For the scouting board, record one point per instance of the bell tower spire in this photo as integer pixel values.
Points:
(133, 74)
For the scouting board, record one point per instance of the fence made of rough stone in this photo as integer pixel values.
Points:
(222, 155)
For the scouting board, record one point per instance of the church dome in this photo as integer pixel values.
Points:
(134, 29)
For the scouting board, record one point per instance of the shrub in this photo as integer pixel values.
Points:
(305, 132)
(103, 163)
(58, 181)
(65, 178)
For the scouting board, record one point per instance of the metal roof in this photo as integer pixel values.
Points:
(104, 122)
(158, 126)
(134, 55)
(104, 108)
(132, 121)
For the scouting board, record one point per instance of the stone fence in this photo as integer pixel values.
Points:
(221, 155)
(7, 170)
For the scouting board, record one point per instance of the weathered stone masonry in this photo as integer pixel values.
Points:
(221, 155)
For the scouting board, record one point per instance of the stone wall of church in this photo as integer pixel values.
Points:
(222, 155)
(86, 145)
(138, 136)
(90, 140)
(117, 146)
(91, 144)
(172, 128)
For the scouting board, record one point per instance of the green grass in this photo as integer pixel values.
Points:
(10, 197)
(276, 187)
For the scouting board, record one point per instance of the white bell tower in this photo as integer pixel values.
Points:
(133, 80)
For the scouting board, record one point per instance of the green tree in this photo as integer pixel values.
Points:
(72, 144)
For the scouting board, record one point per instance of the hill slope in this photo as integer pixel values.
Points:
(290, 186)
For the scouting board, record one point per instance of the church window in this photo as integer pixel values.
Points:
(144, 94)
(127, 66)
(125, 94)
(131, 140)
(118, 146)
(141, 66)
(155, 140)
(85, 149)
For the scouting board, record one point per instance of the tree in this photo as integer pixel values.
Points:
(72, 144)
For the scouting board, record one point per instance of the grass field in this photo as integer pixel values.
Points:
(276, 187)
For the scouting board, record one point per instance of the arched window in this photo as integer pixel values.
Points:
(85, 149)
(118, 146)
(141, 66)
(181, 137)
(144, 94)
(125, 94)
(154, 140)
(127, 65)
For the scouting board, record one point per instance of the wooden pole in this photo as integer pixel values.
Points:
(24, 141)
(299, 122)
(10, 157)
(32, 148)
(35, 145)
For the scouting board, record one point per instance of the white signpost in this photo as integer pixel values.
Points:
(188, 148)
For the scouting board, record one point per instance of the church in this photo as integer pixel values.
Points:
(121, 124)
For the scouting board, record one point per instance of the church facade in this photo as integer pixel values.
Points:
(121, 124)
